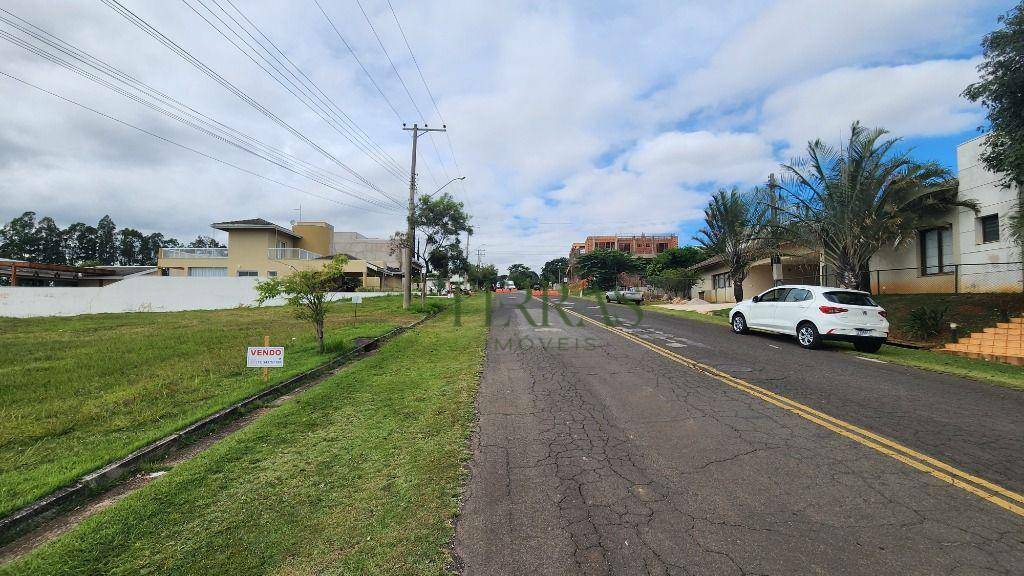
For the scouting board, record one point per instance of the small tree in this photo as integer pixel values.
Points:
(306, 291)
(677, 281)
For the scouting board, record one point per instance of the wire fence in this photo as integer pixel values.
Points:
(995, 277)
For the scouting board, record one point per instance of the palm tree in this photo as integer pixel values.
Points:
(734, 226)
(851, 201)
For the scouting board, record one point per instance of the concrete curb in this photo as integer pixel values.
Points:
(19, 521)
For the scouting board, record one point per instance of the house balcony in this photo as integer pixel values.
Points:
(291, 254)
(190, 253)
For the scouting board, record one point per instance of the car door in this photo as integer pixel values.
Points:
(762, 312)
(790, 309)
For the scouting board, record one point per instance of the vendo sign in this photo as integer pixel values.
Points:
(264, 357)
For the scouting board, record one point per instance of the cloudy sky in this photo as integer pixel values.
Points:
(567, 118)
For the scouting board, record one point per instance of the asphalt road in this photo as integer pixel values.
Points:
(601, 452)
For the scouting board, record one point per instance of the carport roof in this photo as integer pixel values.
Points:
(253, 224)
(52, 271)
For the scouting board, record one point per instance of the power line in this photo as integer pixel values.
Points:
(404, 87)
(309, 94)
(358, 61)
(141, 24)
(179, 145)
(423, 79)
(168, 106)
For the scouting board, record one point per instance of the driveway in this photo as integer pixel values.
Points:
(676, 447)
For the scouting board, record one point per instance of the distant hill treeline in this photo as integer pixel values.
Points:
(25, 238)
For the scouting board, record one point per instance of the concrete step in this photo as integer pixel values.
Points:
(1011, 359)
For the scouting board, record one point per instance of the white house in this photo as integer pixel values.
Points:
(962, 252)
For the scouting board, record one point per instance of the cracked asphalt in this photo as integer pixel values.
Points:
(595, 455)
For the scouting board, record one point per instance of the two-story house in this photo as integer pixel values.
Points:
(259, 248)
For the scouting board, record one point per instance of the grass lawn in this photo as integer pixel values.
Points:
(77, 393)
(358, 475)
(717, 317)
(990, 372)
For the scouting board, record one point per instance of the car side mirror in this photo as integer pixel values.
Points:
(755, 299)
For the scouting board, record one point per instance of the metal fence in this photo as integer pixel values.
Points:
(996, 277)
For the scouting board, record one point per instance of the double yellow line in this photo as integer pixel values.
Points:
(980, 487)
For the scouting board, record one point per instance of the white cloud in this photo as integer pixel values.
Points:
(568, 118)
(698, 157)
(912, 100)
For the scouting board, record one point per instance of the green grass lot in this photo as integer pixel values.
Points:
(990, 372)
(358, 475)
(79, 392)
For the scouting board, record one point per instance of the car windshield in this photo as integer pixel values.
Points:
(850, 298)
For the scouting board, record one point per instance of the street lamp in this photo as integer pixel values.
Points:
(445, 184)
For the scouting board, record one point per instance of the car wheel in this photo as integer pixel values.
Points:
(807, 336)
(608, 299)
(870, 346)
(739, 323)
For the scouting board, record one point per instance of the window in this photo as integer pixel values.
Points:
(721, 280)
(206, 272)
(272, 274)
(282, 244)
(247, 273)
(662, 246)
(937, 251)
(989, 228)
(850, 298)
(776, 295)
(798, 295)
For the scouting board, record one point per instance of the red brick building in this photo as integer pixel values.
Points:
(642, 246)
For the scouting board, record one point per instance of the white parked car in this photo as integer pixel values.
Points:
(813, 314)
(625, 296)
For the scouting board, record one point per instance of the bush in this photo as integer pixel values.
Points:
(924, 322)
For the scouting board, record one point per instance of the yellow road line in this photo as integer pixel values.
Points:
(938, 469)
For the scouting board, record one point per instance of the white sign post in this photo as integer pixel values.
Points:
(264, 357)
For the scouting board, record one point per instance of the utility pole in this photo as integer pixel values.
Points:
(776, 256)
(410, 230)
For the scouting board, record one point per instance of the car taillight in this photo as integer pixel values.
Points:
(882, 313)
(832, 309)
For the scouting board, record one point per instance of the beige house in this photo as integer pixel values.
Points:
(259, 248)
(963, 251)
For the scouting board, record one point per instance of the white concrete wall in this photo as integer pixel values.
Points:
(979, 184)
(144, 294)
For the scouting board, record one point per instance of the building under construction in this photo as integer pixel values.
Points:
(640, 245)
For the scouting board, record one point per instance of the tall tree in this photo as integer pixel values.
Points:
(734, 229)
(440, 220)
(18, 239)
(129, 242)
(106, 241)
(553, 271)
(522, 276)
(483, 276)
(51, 240)
(849, 202)
(603, 267)
(205, 242)
(1001, 90)
(674, 259)
(80, 243)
